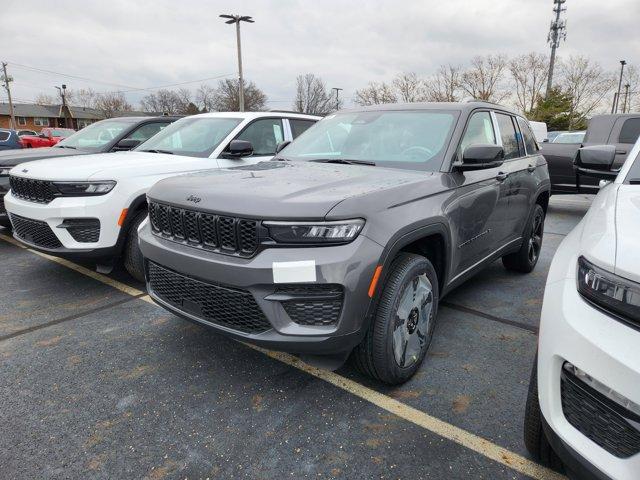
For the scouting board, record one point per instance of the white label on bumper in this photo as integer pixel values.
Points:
(294, 272)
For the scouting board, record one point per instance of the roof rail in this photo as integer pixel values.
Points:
(482, 101)
(277, 110)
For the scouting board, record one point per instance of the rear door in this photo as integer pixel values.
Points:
(624, 134)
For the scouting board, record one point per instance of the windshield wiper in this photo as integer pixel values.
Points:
(635, 181)
(155, 150)
(343, 161)
(66, 146)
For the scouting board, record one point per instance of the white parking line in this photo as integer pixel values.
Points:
(439, 427)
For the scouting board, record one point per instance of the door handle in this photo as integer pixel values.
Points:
(531, 168)
(502, 176)
(620, 152)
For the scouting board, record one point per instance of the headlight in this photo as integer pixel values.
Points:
(315, 232)
(82, 189)
(4, 171)
(617, 295)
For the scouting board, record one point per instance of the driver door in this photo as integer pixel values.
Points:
(264, 134)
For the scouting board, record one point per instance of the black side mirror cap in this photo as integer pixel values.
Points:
(127, 144)
(480, 155)
(281, 146)
(238, 149)
(596, 161)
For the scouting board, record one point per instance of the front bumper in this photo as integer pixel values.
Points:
(52, 215)
(572, 330)
(350, 267)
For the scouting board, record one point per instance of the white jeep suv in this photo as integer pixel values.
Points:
(91, 206)
(583, 409)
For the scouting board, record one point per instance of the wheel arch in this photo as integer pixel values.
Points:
(136, 206)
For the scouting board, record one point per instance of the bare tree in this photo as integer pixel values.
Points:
(375, 94)
(483, 80)
(45, 99)
(112, 104)
(167, 101)
(587, 84)
(529, 76)
(312, 96)
(444, 86)
(409, 88)
(226, 97)
(205, 97)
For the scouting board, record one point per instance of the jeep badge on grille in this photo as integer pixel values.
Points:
(193, 198)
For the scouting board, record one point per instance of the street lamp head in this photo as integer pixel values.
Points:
(237, 19)
(246, 19)
(623, 62)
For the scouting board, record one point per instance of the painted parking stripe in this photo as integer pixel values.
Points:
(439, 427)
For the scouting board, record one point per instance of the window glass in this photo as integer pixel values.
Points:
(528, 137)
(94, 136)
(146, 131)
(22, 121)
(634, 172)
(630, 131)
(415, 139)
(4, 136)
(61, 132)
(41, 122)
(264, 135)
(479, 130)
(299, 126)
(192, 136)
(508, 135)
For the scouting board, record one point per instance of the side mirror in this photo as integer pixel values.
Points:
(282, 145)
(127, 144)
(42, 135)
(238, 149)
(479, 156)
(596, 161)
(546, 140)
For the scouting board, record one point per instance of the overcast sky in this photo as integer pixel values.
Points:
(141, 44)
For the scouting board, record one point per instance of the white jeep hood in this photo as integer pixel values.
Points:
(611, 231)
(628, 232)
(111, 166)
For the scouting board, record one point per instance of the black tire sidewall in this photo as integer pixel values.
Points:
(404, 270)
(133, 260)
(537, 212)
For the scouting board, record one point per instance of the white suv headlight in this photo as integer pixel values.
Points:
(4, 171)
(83, 189)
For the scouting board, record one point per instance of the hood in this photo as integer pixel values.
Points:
(111, 166)
(15, 157)
(627, 232)
(283, 190)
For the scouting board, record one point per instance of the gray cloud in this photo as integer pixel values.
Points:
(150, 43)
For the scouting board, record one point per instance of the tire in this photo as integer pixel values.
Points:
(534, 437)
(413, 279)
(526, 258)
(133, 260)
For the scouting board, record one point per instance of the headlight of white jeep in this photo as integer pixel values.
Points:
(83, 189)
(4, 171)
(340, 231)
(617, 295)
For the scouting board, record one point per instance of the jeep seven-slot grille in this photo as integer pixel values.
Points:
(40, 191)
(231, 235)
(34, 231)
(229, 307)
(599, 418)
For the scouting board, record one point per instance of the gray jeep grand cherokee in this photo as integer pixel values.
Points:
(346, 241)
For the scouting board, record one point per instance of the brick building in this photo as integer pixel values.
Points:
(35, 117)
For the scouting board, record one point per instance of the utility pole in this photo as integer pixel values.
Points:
(337, 96)
(626, 98)
(237, 19)
(68, 121)
(617, 99)
(557, 32)
(7, 79)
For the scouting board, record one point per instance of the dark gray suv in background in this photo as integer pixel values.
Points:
(345, 242)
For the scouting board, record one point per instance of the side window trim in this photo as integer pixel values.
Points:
(288, 133)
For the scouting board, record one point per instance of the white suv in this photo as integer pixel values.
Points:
(91, 206)
(583, 409)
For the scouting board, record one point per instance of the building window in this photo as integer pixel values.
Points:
(22, 121)
(41, 122)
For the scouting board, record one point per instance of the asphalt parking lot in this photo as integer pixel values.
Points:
(97, 382)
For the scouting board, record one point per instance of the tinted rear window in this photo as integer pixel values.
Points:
(4, 136)
(630, 131)
(299, 126)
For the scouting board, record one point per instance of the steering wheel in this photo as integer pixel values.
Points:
(418, 152)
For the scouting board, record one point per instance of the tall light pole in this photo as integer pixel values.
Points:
(337, 96)
(237, 19)
(626, 98)
(617, 100)
(557, 32)
(7, 80)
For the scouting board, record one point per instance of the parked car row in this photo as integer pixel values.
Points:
(338, 238)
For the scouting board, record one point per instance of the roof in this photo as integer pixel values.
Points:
(55, 111)
(456, 106)
(258, 115)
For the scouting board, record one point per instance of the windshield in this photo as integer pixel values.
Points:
(96, 135)
(575, 137)
(193, 137)
(413, 140)
(61, 132)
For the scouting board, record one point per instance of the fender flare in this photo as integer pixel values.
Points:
(135, 206)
